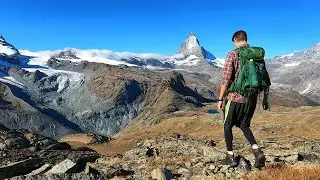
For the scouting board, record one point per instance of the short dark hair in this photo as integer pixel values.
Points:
(240, 36)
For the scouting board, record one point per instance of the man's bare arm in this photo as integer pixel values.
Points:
(222, 91)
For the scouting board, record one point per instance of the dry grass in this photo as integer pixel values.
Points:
(194, 124)
(298, 122)
(287, 173)
(82, 138)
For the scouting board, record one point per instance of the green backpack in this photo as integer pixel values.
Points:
(253, 76)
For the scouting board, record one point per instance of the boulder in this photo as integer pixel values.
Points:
(244, 164)
(108, 171)
(161, 174)
(41, 170)
(66, 166)
(19, 168)
(311, 157)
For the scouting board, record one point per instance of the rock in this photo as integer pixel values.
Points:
(187, 164)
(212, 153)
(16, 143)
(224, 168)
(203, 177)
(183, 171)
(3, 146)
(58, 146)
(33, 149)
(216, 170)
(84, 149)
(211, 167)
(278, 160)
(161, 174)
(229, 175)
(119, 172)
(75, 176)
(108, 171)
(244, 164)
(66, 54)
(90, 170)
(205, 172)
(19, 168)
(199, 165)
(149, 152)
(142, 166)
(292, 158)
(308, 157)
(66, 166)
(41, 170)
(37, 75)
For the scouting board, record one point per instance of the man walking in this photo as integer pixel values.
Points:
(239, 109)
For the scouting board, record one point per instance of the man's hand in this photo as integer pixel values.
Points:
(265, 104)
(220, 105)
(222, 91)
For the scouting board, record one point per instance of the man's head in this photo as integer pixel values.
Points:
(240, 38)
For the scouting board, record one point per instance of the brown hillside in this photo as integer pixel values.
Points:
(280, 123)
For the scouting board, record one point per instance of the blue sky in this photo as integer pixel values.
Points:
(281, 27)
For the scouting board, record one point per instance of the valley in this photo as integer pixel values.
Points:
(109, 115)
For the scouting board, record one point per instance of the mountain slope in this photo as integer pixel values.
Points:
(298, 72)
(192, 47)
(18, 114)
(100, 98)
(8, 52)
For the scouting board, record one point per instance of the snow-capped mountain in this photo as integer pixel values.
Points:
(8, 52)
(193, 51)
(67, 54)
(298, 71)
(7, 49)
(190, 54)
(79, 93)
(294, 59)
(192, 47)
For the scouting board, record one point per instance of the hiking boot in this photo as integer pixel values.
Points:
(260, 159)
(230, 160)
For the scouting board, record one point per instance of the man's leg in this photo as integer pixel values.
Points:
(228, 124)
(249, 135)
(228, 137)
(245, 127)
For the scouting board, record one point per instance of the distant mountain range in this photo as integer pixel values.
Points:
(60, 92)
(96, 91)
(298, 72)
(190, 54)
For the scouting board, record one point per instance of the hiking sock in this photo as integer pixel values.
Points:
(255, 146)
(230, 153)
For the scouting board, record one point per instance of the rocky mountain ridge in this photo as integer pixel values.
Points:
(298, 72)
(26, 155)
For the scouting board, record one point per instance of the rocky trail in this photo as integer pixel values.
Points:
(25, 155)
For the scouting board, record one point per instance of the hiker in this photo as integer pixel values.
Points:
(241, 84)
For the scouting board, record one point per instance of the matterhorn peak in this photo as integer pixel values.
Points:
(192, 35)
(191, 46)
(2, 38)
(192, 41)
